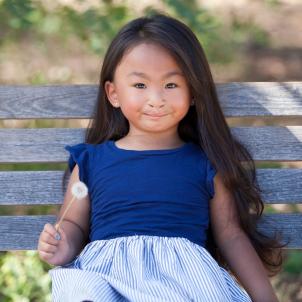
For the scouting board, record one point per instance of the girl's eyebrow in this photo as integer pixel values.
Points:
(167, 75)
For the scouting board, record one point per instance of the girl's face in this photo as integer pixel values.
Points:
(148, 81)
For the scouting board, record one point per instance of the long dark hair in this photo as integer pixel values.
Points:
(204, 124)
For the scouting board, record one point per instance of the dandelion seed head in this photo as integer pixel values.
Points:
(79, 190)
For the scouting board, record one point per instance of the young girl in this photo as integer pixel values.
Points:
(171, 211)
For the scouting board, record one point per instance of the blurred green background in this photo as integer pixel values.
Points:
(63, 42)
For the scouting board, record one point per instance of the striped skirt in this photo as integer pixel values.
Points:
(144, 268)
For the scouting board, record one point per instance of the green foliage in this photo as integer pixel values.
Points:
(38, 78)
(272, 3)
(269, 165)
(32, 167)
(268, 209)
(95, 27)
(248, 34)
(18, 14)
(24, 278)
(206, 27)
(293, 263)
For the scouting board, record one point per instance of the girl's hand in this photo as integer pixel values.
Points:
(52, 250)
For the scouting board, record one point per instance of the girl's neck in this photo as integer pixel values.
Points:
(139, 142)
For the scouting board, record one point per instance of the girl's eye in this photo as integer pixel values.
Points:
(138, 85)
(172, 84)
(141, 85)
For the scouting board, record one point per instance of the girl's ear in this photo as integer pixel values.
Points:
(111, 93)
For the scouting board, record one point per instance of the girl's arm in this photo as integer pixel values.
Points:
(236, 247)
(74, 229)
(76, 222)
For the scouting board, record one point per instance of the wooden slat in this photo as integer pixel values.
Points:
(237, 99)
(271, 143)
(280, 185)
(47, 144)
(49, 101)
(31, 187)
(37, 145)
(289, 224)
(22, 232)
(45, 187)
(261, 99)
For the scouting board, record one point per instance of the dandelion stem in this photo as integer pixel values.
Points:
(62, 217)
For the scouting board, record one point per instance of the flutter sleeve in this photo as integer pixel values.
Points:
(79, 154)
(210, 174)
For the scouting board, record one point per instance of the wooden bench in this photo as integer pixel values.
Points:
(46, 145)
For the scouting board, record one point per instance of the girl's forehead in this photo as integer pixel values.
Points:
(147, 56)
(145, 49)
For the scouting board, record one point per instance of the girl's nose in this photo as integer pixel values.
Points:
(156, 99)
(152, 105)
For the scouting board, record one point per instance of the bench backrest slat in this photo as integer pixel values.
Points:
(47, 145)
(77, 101)
(44, 187)
(22, 232)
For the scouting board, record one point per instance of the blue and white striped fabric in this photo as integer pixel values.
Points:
(144, 268)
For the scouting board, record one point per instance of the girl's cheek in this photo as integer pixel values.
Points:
(137, 97)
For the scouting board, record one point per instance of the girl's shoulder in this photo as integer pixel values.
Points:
(88, 152)
(85, 147)
(206, 168)
(86, 156)
(80, 146)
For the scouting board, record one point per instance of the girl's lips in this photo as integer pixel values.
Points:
(155, 115)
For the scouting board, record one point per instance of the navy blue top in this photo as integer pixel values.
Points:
(146, 192)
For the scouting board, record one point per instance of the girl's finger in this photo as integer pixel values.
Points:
(45, 255)
(62, 234)
(50, 229)
(48, 248)
(48, 238)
